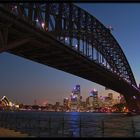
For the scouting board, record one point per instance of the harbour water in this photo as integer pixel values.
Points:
(71, 124)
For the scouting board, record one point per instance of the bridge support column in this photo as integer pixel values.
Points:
(4, 30)
(3, 37)
(138, 102)
(133, 103)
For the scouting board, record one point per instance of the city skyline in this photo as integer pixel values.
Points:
(24, 80)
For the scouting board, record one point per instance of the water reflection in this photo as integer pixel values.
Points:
(75, 124)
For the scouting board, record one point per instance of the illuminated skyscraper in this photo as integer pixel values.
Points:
(75, 98)
(110, 99)
(93, 99)
(66, 103)
(76, 90)
(122, 99)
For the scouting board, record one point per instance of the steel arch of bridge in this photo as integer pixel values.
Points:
(78, 29)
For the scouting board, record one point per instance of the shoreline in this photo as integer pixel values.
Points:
(5, 132)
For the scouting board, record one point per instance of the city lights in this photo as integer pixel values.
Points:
(74, 103)
(134, 97)
(42, 24)
(76, 46)
(37, 20)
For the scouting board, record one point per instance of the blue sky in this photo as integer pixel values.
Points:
(24, 81)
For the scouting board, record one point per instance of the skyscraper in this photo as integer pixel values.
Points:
(75, 98)
(93, 99)
(122, 99)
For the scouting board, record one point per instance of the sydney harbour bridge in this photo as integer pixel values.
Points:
(66, 37)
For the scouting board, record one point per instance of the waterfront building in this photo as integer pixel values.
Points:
(57, 103)
(83, 106)
(8, 104)
(90, 102)
(57, 106)
(87, 103)
(100, 101)
(122, 99)
(5, 101)
(66, 104)
(93, 100)
(75, 98)
(110, 95)
(115, 101)
(110, 100)
(107, 102)
(65, 101)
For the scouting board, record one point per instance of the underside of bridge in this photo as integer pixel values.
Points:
(65, 59)
(20, 38)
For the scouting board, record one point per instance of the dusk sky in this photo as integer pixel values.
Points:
(24, 81)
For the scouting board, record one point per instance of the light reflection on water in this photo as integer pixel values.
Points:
(75, 118)
(73, 124)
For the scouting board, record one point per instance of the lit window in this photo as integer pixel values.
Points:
(37, 20)
(134, 97)
(43, 24)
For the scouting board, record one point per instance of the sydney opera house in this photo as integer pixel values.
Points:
(6, 103)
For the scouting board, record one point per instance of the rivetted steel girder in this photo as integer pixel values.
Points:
(66, 20)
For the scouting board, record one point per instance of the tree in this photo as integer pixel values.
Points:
(119, 107)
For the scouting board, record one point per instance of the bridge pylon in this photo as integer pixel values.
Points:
(133, 103)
